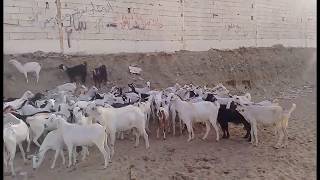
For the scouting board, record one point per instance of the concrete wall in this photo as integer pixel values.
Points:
(111, 26)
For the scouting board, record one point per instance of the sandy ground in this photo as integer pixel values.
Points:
(287, 74)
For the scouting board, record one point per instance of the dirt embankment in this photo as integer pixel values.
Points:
(241, 68)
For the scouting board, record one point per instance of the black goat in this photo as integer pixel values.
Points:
(232, 115)
(76, 71)
(99, 74)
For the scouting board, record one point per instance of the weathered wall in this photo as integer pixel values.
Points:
(110, 26)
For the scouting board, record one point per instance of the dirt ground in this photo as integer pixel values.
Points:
(288, 74)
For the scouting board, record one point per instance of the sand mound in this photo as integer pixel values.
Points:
(241, 68)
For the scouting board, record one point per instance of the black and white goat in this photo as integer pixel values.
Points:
(76, 71)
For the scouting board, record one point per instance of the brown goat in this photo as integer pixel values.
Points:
(163, 122)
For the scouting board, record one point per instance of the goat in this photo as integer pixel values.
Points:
(203, 111)
(38, 124)
(140, 90)
(245, 98)
(10, 99)
(226, 115)
(27, 67)
(268, 115)
(75, 71)
(53, 141)
(79, 135)
(35, 98)
(28, 109)
(99, 74)
(14, 134)
(67, 87)
(163, 115)
(132, 97)
(146, 108)
(89, 95)
(80, 118)
(16, 104)
(120, 119)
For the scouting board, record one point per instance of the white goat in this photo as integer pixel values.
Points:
(28, 109)
(267, 115)
(81, 104)
(204, 111)
(132, 97)
(38, 124)
(13, 135)
(146, 109)
(143, 90)
(64, 109)
(120, 119)
(80, 118)
(89, 95)
(53, 141)
(27, 67)
(18, 102)
(244, 99)
(68, 87)
(82, 135)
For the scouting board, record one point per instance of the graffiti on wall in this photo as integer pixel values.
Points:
(75, 19)
(129, 22)
(233, 27)
(135, 21)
